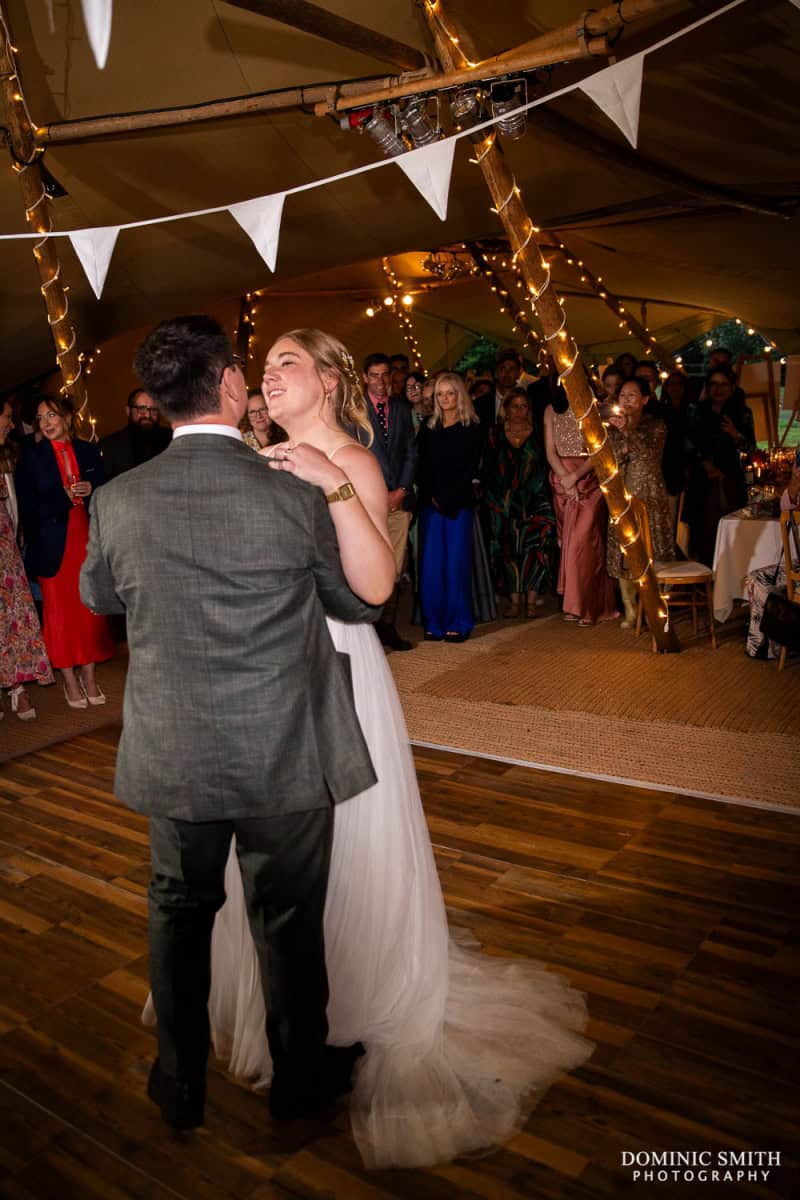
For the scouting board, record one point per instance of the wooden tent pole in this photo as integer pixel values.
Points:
(325, 98)
(490, 68)
(594, 24)
(625, 317)
(522, 234)
(26, 162)
(300, 14)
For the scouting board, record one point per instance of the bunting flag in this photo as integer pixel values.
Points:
(261, 221)
(617, 90)
(94, 248)
(429, 169)
(97, 19)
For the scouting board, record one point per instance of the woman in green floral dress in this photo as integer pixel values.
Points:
(520, 508)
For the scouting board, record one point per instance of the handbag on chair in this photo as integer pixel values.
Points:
(780, 619)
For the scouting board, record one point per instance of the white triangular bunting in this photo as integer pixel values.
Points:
(618, 91)
(97, 19)
(429, 169)
(261, 221)
(94, 248)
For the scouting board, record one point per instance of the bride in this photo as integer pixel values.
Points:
(459, 1045)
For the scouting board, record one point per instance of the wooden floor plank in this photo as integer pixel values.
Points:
(676, 916)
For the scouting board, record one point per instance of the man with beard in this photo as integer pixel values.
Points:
(141, 439)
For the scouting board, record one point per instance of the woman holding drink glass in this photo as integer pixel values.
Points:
(55, 481)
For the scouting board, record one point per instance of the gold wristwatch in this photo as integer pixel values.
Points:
(345, 492)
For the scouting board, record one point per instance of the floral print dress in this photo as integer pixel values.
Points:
(23, 658)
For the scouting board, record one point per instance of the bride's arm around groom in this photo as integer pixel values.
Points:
(238, 714)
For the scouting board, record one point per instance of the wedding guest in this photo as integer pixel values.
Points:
(394, 445)
(23, 658)
(258, 429)
(585, 588)
(523, 525)
(141, 439)
(626, 364)
(638, 439)
(544, 391)
(719, 430)
(420, 408)
(761, 582)
(449, 454)
(399, 368)
(611, 383)
(648, 371)
(55, 480)
(507, 370)
(674, 410)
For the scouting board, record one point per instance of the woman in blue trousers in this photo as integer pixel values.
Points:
(449, 456)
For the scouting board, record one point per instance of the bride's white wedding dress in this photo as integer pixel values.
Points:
(459, 1044)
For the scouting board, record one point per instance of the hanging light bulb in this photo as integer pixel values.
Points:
(379, 124)
(465, 108)
(407, 299)
(370, 311)
(507, 96)
(418, 124)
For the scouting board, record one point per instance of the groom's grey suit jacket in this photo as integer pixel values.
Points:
(236, 703)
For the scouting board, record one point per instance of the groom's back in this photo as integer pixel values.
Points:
(233, 678)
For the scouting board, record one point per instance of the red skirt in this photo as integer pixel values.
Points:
(72, 634)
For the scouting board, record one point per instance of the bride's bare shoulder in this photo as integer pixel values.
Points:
(352, 456)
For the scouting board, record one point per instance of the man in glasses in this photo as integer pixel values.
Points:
(141, 439)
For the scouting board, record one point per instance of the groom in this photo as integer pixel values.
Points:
(238, 718)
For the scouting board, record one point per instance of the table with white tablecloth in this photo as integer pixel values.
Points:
(744, 543)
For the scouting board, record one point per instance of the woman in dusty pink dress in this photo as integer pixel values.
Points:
(23, 658)
(581, 520)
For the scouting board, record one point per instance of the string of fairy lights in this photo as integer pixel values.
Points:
(54, 291)
(399, 301)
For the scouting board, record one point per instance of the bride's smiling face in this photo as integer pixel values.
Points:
(292, 386)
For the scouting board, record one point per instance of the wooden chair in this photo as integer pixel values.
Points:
(682, 529)
(790, 524)
(680, 584)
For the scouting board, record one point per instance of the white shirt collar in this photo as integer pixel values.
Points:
(223, 430)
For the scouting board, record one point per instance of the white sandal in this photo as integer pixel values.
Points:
(25, 714)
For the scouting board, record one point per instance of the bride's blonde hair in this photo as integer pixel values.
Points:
(329, 354)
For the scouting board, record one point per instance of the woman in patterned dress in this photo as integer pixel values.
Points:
(586, 591)
(638, 440)
(520, 507)
(23, 658)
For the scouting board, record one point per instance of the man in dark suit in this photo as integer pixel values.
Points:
(141, 439)
(239, 716)
(394, 445)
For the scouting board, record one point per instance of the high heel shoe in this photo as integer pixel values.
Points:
(25, 714)
(93, 700)
(82, 703)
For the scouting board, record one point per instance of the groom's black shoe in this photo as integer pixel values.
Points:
(288, 1102)
(181, 1104)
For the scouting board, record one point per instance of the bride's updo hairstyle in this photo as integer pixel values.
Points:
(329, 354)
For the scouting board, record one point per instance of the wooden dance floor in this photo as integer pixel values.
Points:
(677, 916)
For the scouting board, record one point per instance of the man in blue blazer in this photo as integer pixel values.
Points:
(394, 446)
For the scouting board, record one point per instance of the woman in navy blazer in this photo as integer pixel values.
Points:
(55, 480)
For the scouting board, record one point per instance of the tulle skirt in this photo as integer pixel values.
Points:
(459, 1044)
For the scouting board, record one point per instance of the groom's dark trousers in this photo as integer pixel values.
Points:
(238, 718)
(284, 865)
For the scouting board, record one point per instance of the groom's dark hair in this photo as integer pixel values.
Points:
(181, 365)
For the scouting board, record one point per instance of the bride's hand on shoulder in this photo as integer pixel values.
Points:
(307, 463)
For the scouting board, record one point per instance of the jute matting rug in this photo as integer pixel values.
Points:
(596, 701)
(55, 722)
